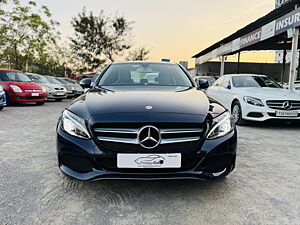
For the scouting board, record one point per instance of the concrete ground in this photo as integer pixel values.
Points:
(263, 189)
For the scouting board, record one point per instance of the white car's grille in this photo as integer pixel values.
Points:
(284, 104)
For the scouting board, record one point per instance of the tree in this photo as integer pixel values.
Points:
(25, 32)
(99, 38)
(140, 54)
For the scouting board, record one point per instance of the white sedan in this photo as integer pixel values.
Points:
(255, 98)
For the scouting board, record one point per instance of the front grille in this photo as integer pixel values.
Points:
(124, 137)
(59, 89)
(33, 90)
(279, 104)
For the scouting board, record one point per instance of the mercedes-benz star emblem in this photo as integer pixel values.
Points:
(149, 137)
(287, 105)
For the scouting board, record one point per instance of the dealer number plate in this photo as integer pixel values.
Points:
(149, 160)
(286, 113)
(35, 94)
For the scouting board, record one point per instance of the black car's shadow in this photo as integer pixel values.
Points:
(117, 192)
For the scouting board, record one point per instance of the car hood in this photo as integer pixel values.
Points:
(146, 101)
(270, 93)
(24, 85)
(48, 85)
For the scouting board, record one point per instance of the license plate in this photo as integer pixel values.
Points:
(60, 93)
(149, 160)
(35, 94)
(286, 113)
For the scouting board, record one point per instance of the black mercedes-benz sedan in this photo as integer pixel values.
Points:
(143, 120)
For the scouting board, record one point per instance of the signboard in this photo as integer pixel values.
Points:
(268, 30)
(279, 3)
(290, 20)
(276, 27)
(251, 38)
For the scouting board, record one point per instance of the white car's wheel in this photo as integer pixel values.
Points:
(237, 113)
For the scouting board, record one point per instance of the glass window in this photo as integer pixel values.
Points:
(218, 82)
(52, 80)
(38, 78)
(226, 82)
(254, 81)
(13, 76)
(154, 74)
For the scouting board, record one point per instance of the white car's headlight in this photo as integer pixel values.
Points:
(74, 125)
(16, 88)
(253, 101)
(223, 125)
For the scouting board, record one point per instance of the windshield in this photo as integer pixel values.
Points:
(63, 81)
(13, 76)
(52, 80)
(38, 78)
(254, 81)
(145, 74)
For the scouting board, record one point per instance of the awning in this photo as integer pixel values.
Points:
(266, 33)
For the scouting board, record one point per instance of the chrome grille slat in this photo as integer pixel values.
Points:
(119, 140)
(117, 130)
(176, 131)
(178, 140)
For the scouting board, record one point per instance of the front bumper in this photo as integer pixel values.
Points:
(263, 113)
(27, 97)
(57, 95)
(2, 99)
(81, 159)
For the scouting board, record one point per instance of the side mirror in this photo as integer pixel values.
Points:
(228, 86)
(203, 84)
(86, 83)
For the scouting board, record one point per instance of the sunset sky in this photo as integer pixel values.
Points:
(175, 29)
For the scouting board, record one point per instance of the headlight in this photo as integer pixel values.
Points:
(44, 89)
(65, 90)
(253, 101)
(223, 125)
(16, 88)
(74, 125)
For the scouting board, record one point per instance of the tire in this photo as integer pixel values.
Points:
(1, 107)
(58, 99)
(8, 102)
(40, 103)
(236, 112)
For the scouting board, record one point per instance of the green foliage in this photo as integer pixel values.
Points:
(99, 38)
(140, 54)
(25, 32)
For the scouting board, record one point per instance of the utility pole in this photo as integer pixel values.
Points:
(293, 69)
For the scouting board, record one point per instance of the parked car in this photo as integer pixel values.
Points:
(76, 85)
(255, 97)
(54, 91)
(19, 88)
(116, 128)
(69, 88)
(2, 98)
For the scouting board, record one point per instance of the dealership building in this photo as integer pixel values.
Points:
(278, 31)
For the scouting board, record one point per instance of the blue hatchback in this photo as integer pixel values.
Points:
(2, 98)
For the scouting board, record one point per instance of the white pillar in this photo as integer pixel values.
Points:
(293, 69)
(222, 66)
